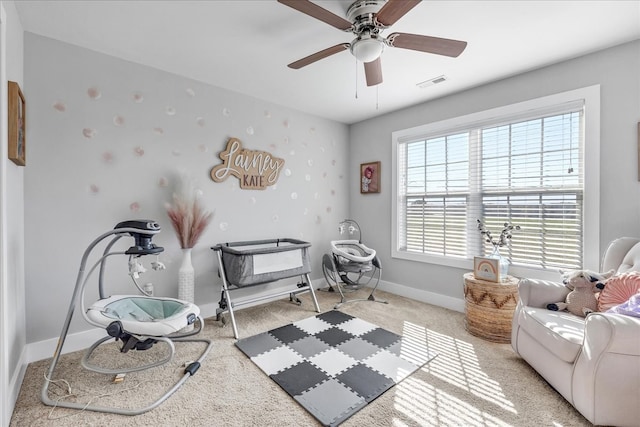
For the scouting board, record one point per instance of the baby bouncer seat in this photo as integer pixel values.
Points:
(137, 321)
(351, 265)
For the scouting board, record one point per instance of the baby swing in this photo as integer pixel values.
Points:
(351, 265)
(139, 321)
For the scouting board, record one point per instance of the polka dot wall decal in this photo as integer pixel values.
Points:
(324, 174)
(287, 172)
(137, 97)
(306, 211)
(163, 182)
(286, 139)
(59, 106)
(307, 177)
(294, 196)
(94, 93)
(312, 129)
(89, 133)
(253, 200)
(158, 131)
(170, 111)
(202, 148)
(250, 130)
(267, 114)
(200, 121)
(286, 124)
(275, 218)
(333, 192)
(94, 189)
(176, 153)
(292, 152)
(139, 151)
(333, 162)
(316, 196)
(118, 120)
(226, 112)
(190, 92)
(318, 219)
(224, 226)
(329, 209)
(273, 146)
(310, 162)
(134, 207)
(322, 150)
(107, 156)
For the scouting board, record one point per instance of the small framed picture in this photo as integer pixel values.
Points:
(17, 122)
(370, 177)
(486, 269)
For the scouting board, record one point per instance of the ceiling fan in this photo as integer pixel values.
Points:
(367, 19)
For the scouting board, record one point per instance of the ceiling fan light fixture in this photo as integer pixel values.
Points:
(367, 48)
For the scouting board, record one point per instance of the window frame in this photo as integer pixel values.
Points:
(590, 97)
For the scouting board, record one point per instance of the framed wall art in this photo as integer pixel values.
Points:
(370, 177)
(17, 122)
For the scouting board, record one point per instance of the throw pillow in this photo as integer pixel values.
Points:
(618, 290)
(630, 307)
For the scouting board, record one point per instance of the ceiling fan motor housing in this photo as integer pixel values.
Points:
(368, 45)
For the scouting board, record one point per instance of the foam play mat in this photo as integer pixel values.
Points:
(334, 364)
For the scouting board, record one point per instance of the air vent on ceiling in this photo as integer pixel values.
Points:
(431, 82)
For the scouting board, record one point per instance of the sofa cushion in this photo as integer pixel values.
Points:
(618, 290)
(559, 332)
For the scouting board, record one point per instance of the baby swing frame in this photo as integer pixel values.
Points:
(143, 232)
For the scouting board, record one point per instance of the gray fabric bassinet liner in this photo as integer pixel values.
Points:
(262, 261)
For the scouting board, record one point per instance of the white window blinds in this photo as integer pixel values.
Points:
(526, 170)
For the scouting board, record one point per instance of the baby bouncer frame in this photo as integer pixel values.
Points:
(351, 265)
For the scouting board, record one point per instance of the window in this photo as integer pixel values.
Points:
(522, 164)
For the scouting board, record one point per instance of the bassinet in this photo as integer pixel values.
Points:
(249, 263)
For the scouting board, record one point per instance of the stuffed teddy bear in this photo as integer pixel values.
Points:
(582, 299)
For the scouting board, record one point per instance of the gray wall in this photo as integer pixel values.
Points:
(12, 292)
(108, 140)
(617, 70)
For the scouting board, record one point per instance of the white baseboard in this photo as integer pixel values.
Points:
(81, 340)
(455, 304)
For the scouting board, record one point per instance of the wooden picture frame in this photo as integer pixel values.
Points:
(17, 125)
(487, 269)
(370, 177)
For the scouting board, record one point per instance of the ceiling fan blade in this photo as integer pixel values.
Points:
(446, 47)
(318, 12)
(373, 72)
(318, 56)
(394, 10)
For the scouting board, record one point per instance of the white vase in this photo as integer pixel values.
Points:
(186, 277)
(504, 263)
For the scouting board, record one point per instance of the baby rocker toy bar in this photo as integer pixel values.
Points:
(138, 321)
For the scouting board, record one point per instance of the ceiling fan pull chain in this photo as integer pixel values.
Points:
(356, 61)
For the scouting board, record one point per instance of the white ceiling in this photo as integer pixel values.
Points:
(245, 45)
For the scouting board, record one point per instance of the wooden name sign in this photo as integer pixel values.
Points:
(255, 169)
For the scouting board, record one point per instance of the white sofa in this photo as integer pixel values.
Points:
(594, 363)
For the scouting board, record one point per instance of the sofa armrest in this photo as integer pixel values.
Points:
(606, 376)
(611, 332)
(539, 293)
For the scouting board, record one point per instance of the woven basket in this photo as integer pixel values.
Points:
(489, 307)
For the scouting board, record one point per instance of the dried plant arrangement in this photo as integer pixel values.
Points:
(187, 215)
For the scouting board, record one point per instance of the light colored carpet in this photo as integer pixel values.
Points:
(472, 382)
